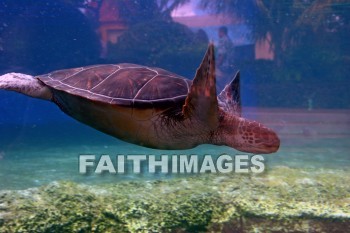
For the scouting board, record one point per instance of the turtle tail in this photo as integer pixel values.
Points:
(25, 84)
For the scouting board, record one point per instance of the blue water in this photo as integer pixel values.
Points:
(39, 144)
(304, 96)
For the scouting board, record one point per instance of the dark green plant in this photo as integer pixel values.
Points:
(168, 45)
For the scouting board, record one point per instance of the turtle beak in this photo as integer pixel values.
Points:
(270, 143)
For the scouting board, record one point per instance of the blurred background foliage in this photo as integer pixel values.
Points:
(177, 48)
(309, 40)
(39, 36)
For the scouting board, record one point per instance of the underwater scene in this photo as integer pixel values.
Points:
(174, 116)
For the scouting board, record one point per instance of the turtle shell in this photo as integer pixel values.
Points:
(121, 84)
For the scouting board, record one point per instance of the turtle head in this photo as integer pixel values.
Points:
(253, 137)
(248, 136)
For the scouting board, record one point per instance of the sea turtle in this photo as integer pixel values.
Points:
(151, 107)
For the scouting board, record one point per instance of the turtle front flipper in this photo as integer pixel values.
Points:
(25, 84)
(230, 98)
(201, 102)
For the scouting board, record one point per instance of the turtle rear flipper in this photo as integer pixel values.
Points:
(230, 97)
(201, 102)
(25, 84)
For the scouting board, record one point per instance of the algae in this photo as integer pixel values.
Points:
(280, 200)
